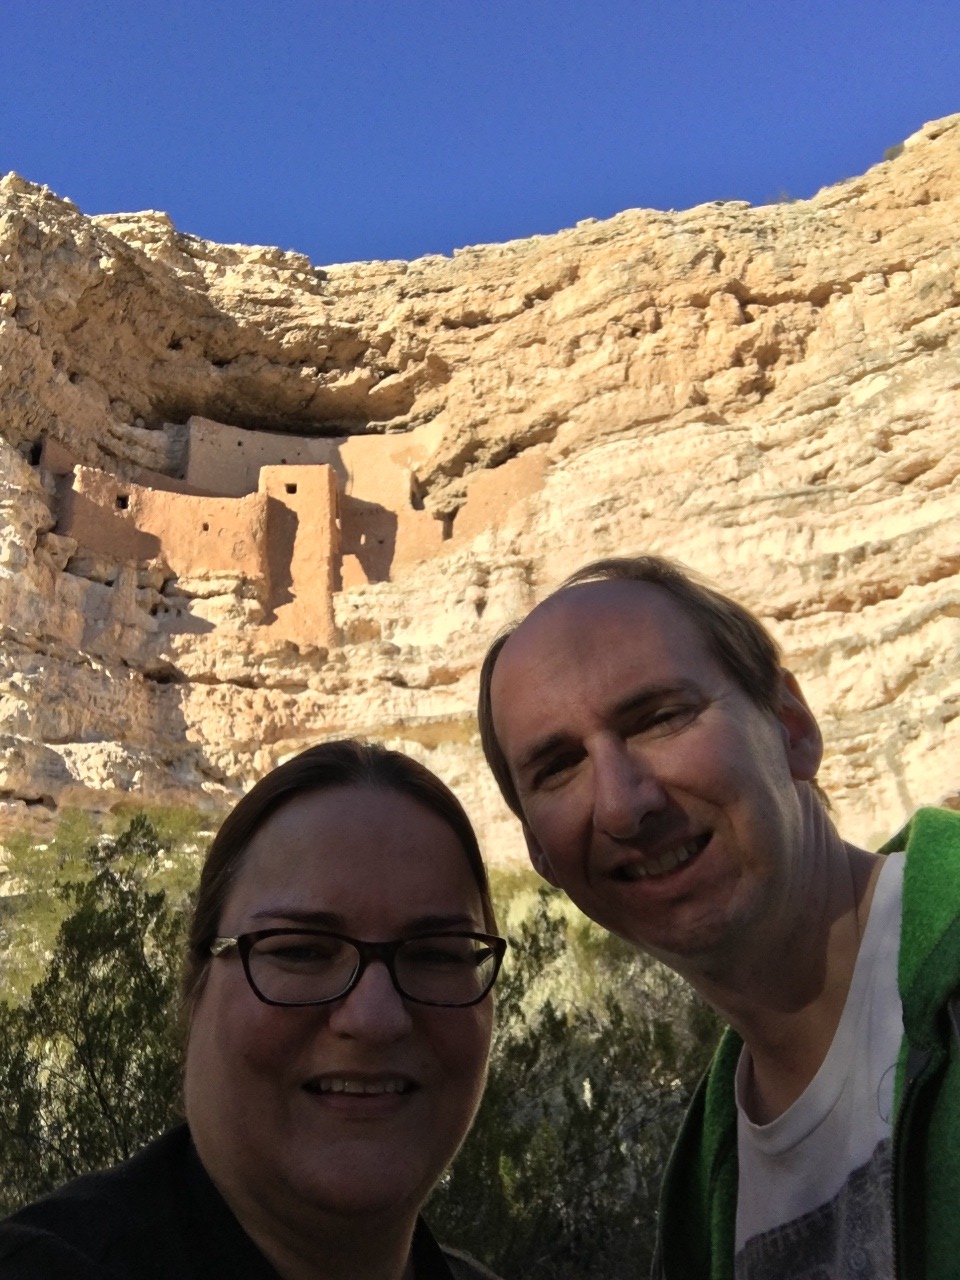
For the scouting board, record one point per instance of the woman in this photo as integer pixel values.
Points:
(336, 992)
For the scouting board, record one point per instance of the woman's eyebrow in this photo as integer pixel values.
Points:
(331, 920)
(426, 924)
(318, 919)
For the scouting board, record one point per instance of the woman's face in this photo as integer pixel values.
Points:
(272, 1133)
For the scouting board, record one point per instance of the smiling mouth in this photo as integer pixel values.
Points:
(671, 860)
(359, 1088)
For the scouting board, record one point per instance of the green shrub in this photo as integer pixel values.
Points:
(30, 919)
(89, 1065)
(596, 1053)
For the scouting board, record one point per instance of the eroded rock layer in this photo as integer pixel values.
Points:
(769, 394)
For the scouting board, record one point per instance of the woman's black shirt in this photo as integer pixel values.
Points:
(158, 1216)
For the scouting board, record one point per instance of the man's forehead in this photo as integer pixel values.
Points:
(633, 631)
(590, 608)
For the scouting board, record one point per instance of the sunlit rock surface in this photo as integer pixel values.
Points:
(769, 394)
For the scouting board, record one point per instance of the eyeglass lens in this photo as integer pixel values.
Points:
(309, 967)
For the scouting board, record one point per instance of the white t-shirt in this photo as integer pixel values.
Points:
(814, 1199)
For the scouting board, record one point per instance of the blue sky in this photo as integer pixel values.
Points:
(374, 130)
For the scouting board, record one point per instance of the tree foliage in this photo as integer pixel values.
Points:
(595, 1056)
(89, 1065)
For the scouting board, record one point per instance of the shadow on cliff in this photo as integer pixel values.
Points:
(282, 526)
(369, 532)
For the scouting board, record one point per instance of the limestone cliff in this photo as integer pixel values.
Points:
(769, 394)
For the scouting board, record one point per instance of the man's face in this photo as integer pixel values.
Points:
(655, 792)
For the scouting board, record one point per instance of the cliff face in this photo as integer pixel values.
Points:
(769, 394)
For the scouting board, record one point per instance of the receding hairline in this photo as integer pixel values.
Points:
(566, 595)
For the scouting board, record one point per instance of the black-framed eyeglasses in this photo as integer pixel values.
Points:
(308, 966)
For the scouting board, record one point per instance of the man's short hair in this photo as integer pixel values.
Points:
(740, 642)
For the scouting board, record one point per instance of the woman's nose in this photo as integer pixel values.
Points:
(625, 790)
(374, 1010)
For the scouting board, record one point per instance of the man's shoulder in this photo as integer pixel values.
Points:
(699, 1188)
(928, 829)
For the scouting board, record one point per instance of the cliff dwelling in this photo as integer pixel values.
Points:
(292, 519)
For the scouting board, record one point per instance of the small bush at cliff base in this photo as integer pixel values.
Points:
(89, 1065)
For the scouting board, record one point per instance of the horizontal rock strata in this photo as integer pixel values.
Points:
(769, 394)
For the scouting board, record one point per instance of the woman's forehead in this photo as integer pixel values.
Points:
(321, 813)
(347, 847)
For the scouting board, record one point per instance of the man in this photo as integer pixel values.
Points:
(663, 765)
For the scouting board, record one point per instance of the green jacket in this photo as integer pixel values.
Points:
(698, 1202)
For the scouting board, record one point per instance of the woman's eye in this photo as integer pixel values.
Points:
(437, 957)
(299, 951)
(299, 956)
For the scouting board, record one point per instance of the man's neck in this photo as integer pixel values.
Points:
(785, 994)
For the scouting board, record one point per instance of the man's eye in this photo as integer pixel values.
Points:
(554, 769)
(670, 718)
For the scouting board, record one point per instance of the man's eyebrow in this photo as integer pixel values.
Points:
(540, 750)
(655, 693)
(635, 701)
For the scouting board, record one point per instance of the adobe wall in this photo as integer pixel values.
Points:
(194, 535)
(228, 460)
(57, 460)
(285, 538)
(303, 531)
(303, 551)
(381, 528)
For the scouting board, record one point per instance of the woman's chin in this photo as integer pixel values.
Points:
(364, 1184)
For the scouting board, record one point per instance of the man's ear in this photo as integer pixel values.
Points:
(801, 733)
(541, 863)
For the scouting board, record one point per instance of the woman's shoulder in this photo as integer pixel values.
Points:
(435, 1261)
(463, 1267)
(87, 1227)
(34, 1253)
(134, 1182)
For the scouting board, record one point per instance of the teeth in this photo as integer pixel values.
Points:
(344, 1084)
(669, 861)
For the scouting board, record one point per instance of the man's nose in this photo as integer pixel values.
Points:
(625, 790)
(374, 1010)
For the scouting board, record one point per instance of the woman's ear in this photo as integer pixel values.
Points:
(801, 733)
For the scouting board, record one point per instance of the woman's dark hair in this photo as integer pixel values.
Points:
(345, 763)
